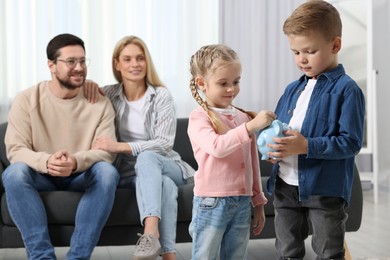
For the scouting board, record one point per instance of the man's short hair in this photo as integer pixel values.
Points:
(60, 41)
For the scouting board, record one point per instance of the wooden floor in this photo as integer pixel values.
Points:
(371, 242)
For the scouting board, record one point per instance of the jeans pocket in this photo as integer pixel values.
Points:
(208, 203)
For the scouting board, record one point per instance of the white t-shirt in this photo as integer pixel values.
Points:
(132, 126)
(288, 170)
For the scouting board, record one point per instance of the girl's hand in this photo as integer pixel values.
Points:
(263, 119)
(92, 91)
(258, 221)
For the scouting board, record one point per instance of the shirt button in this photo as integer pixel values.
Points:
(243, 165)
(289, 112)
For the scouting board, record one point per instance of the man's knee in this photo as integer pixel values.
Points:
(15, 173)
(105, 173)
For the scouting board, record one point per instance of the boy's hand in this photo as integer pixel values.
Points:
(293, 144)
(258, 221)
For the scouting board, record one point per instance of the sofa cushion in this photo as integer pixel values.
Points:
(61, 207)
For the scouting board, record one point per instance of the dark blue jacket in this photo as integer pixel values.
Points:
(333, 126)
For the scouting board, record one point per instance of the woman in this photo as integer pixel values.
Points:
(146, 125)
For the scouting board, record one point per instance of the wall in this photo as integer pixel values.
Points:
(380, 61)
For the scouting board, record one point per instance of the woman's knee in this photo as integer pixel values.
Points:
(147, 157)
(148, 163)
(169, 187)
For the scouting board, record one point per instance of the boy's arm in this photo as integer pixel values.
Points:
(345, 143)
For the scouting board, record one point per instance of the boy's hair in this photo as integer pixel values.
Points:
(60, 41)
(314, 16)
(151, 73)
(204, 63)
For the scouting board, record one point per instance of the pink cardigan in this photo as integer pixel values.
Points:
(228, 164)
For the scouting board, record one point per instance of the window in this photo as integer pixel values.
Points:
(172, 29)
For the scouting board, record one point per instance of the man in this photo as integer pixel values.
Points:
(51, 128)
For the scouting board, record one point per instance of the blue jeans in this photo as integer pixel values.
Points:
(220, 224)
(22, 185)
(157, 178)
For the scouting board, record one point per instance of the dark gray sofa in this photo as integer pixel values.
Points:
(123, 224)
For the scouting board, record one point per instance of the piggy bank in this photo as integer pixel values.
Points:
(275, 129)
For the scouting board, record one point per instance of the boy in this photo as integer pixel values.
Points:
(312, 178)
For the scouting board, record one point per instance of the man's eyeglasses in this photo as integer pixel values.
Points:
(71, 63)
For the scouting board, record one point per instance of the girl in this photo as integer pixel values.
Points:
(228, 178)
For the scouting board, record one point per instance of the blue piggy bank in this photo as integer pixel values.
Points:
(275, 129)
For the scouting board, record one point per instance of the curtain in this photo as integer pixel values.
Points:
(254, 31)
(172, 29)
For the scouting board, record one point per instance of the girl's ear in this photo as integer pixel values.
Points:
(336, 45)
(200, 83)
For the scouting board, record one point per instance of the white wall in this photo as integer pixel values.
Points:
(380, 61)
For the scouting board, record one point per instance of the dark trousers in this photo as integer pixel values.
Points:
(293, 219)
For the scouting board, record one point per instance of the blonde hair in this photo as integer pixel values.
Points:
(314, 16)
(204, 63)
(151, 73)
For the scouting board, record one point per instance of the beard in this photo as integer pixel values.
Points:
(68, 84)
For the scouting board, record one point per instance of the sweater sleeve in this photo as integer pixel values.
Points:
(18, 138)
(85, 158)
(258, 197)
(202, 133)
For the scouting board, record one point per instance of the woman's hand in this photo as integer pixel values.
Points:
(92, 91)
(107, 144)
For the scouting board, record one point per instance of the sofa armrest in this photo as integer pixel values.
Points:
(355, 209)
(1, 182)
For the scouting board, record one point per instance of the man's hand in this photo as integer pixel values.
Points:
(61, 164)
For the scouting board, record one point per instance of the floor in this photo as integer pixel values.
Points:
(371, 242)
